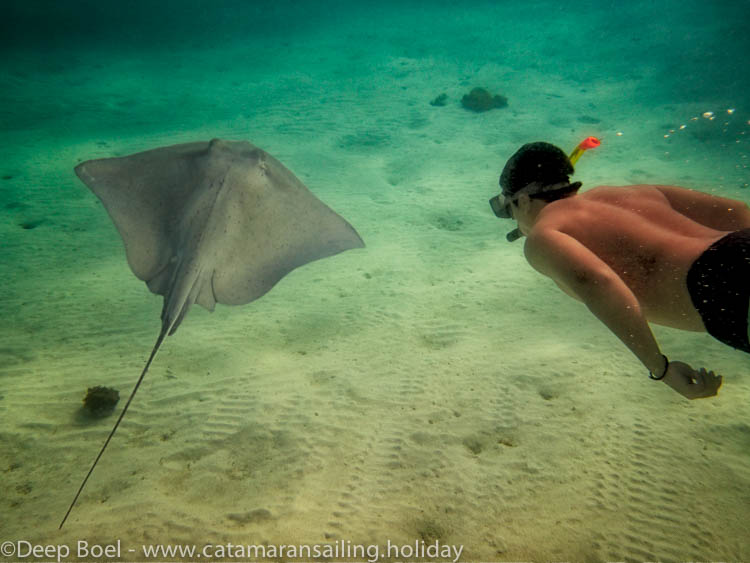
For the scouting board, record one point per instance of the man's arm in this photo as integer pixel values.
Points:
(720, 213)
(575, 268)
(584, 275)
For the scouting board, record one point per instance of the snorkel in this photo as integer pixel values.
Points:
(583, 146)
(537, 168)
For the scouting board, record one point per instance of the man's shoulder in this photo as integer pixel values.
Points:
(543, 236)
(626, 198)
(602, 211)
(606, 191)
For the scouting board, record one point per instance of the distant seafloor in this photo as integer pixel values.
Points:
(428, 388)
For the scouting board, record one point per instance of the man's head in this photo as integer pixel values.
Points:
(541, 171)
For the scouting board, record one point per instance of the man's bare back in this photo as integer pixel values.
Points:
(643, 239)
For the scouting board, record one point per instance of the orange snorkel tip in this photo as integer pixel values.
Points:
(583, 146)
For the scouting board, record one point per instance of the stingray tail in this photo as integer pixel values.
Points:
(185, 287)
(177, 302)
(162, 335)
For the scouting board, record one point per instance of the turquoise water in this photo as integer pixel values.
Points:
(430, 387)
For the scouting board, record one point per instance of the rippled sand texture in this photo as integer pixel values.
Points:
(428, 387)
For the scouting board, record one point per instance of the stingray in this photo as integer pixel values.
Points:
(207, 223)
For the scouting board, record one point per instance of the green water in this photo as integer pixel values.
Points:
(430, 387)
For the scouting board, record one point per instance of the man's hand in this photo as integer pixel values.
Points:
(690, 383)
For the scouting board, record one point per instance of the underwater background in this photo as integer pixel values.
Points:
(430, 387)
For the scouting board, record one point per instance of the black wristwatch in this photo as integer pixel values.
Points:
(666, 367)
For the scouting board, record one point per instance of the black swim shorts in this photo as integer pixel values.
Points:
(719, 285)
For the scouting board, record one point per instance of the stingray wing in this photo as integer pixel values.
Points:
(145, 194)
(275, 224)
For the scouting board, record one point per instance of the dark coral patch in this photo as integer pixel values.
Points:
(480, 99)
(100, 401)
(440, 100)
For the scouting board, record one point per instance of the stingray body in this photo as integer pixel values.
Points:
(210, 222)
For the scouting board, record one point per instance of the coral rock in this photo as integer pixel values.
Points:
(479, 99)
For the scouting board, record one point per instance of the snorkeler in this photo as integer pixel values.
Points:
(634, 255)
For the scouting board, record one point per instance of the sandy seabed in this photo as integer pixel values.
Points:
(430, 389)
